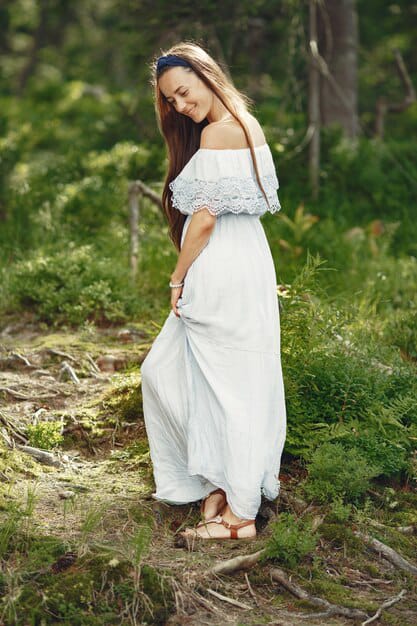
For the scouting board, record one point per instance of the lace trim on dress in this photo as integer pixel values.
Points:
(228, 194)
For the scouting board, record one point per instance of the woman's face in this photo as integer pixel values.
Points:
(186, 92)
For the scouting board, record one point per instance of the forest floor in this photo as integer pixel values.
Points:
(84, 542)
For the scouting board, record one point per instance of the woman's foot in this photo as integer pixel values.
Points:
(213, 504)
(225, 526)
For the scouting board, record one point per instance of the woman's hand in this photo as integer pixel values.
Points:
(175, 295)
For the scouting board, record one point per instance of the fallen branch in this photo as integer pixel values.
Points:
(279, 576)
(42, 456)
(220, 596)
(388, 553)
(385, 605)
(231, 566)
(204, 602)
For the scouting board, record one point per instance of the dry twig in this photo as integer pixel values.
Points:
(251, 591)
(220, 596)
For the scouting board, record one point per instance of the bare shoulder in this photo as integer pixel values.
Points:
(230, 135)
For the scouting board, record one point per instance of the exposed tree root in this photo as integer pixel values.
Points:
(388, 553)
(231, 566)
(67, 371)
(385, 605)
(279, 576)
(13, 430)
(21, 396)
(47, 458)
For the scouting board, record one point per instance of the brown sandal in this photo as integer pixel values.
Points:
(234, 528)
(222, 504)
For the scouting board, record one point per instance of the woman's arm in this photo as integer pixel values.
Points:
(198, 233)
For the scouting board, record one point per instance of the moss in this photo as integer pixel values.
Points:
(333, 591)
(371, 569)
(14, 462)
(160, 594)
(124, 400)
(92, 591)
(339, 535)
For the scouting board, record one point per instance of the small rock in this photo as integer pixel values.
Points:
(110, 363)
(66, 495)
(125, 335)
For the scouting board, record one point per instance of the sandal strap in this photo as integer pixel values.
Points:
(235, 527)
(232, 527)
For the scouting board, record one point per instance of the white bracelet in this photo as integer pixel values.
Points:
(175, 285)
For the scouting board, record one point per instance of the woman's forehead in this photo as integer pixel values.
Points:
(173, 79)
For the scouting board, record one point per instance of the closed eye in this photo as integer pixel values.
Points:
(181, 94)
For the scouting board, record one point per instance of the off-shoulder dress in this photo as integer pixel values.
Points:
(212, 384)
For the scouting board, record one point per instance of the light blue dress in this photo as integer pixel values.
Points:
(212, 385)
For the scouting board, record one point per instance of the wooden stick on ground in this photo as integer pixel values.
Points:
(231, 566)
(220, 596)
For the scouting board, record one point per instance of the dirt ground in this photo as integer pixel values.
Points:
(99, 471)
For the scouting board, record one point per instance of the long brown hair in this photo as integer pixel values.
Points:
(182, 135)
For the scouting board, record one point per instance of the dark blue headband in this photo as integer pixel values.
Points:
(170, 60)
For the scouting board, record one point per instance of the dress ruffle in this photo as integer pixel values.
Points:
(223, 181)
(228, 194)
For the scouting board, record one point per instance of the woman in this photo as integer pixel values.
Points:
(213, 395)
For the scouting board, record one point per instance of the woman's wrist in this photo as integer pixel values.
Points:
(176, 278)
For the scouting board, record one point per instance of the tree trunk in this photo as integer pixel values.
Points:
(338, 44)
(313, 103)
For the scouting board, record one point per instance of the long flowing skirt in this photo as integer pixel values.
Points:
(212, 385)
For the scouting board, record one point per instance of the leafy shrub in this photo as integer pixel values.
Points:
(45, 435)
(334, 471)
(71, 286)
(339, 512)
(291, 540)
(337, 384)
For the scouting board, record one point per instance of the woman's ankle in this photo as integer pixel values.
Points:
(230, 517)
